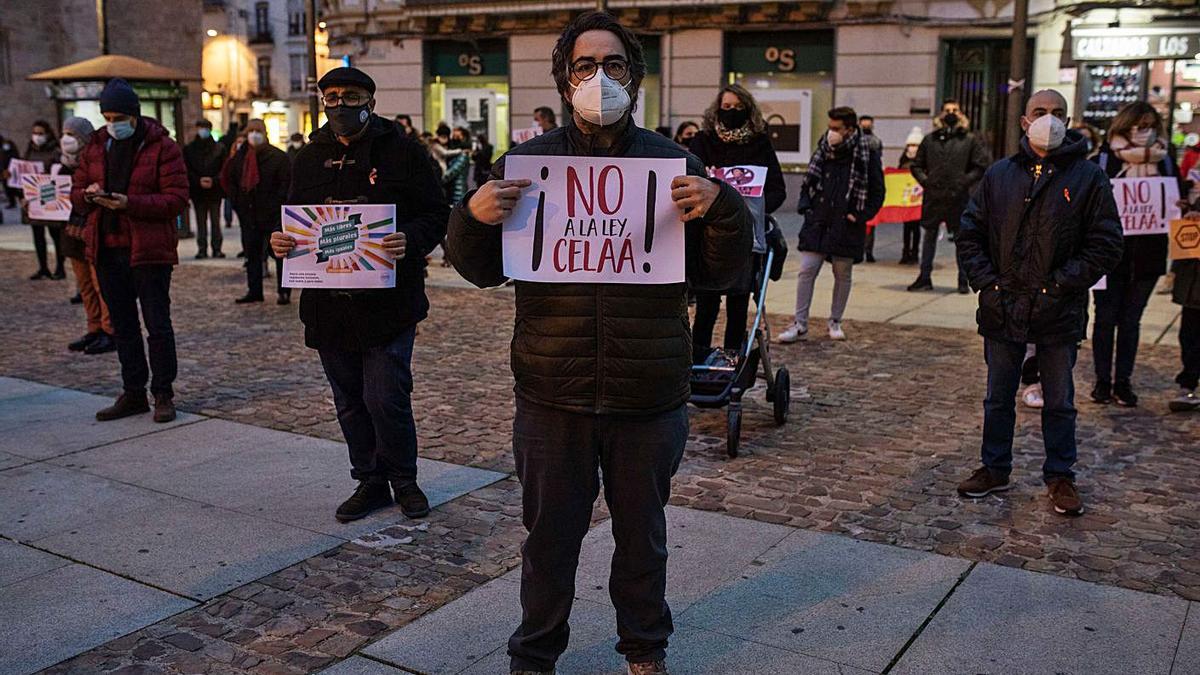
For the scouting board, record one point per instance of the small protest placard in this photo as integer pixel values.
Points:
(47, 197)
(747, 180)
(1146, 205)
(339, 246)
(22, 167)
(1185, 239)
(595, 220)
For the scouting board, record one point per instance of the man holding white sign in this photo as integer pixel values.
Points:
(360, 177)
(600, 227)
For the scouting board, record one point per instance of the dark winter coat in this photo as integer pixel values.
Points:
(204, 158)
(1186, 289)
(714, 152)
(827, 228)
(948, 164)
(387, 168)
(47, 154)
(607, 348)
(259, 208)
(158, 193)
(1034, 248)
(1145, 255)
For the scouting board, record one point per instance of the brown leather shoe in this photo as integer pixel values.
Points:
(983, 483)
(1064, 496)
(164, 408)
(129, 403)
(647, 668)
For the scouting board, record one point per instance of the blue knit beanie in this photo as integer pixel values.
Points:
(119, 97)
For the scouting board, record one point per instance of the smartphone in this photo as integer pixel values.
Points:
(102, 195)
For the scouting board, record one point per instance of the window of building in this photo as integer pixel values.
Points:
(262, 18)
(296, 64)
(264, 74)
(296, 16)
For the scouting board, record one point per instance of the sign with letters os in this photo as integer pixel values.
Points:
(1146, 205)
(594, 220)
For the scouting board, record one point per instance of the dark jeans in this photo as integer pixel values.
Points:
(559, 457)
(124, 288)
(256, 244)
(912, 238)
(1055, 362)
(1119, 311)
(708, 306)
(929, 237)
(869, 243)
(372, 391)
(39, 247)
(208, 213)
(1189, 348)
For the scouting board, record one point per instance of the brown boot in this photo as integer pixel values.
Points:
(1064, 496)
(129, 403)
(164, 408)
(982, 483)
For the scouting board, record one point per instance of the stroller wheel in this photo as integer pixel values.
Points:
(734, 432)
(783, 395)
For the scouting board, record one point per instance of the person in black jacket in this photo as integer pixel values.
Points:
(735, 134)
(43, 147)
(1038, 233)
(842, 191)
(204, 158)
(949, 162)
(602, 370)
(1135, 149)
(365, 337)
(256, 178)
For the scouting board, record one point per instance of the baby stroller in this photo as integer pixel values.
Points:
(726, 375)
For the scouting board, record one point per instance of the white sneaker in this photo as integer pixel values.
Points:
(1032, 397)
(835, 331)
(794, 333)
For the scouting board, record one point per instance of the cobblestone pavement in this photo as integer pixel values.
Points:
(883, 426)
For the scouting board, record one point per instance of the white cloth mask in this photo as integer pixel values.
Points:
(1047, 133)
(834, 137)
(70, 144)
(601, 100)
(256, 138)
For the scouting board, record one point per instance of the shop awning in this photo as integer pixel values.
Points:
(114, 65)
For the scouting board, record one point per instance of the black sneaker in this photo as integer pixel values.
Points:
(246, 299)
(201, 255)
(83, 342)
(218, 254)
(103, 344)
(412, 501)
(963, 288)
(1102, 393)
(1123, 393)
(77, 299)
(368, 496)
(921, 285)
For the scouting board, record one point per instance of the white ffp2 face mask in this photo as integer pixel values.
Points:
(601, 100)
(1046, 133)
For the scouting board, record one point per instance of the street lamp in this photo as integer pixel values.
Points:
(212, 32)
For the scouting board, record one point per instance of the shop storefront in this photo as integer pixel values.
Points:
(791, 75)
(1158, 64)
(466, 85)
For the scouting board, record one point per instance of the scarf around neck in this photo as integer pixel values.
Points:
(860, 158)
(741, 135)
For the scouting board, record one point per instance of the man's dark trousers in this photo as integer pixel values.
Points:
(929, 239)
(559, 457)
(208, 214)
(372, 391)
(1056, 363)
(124, 288)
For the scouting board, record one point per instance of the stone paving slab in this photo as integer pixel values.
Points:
(831, 597)
(8, 461)
(64, 611)
(11, 387)
(1002, 620)
(1187, 657)
(357, 665)
(19, 562)
(47, 424)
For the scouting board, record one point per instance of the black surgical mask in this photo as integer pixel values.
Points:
(733, 118)
(346, 120)
(950, 119)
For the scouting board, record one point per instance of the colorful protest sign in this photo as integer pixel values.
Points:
(594, 220)
(21, 167)
(1185, 239)
(1146, 205)
(903, 200)
(749, 181)
(339, 246)
(522, 135)
(47, 197)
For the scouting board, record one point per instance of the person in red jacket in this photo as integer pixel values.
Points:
(131, 185)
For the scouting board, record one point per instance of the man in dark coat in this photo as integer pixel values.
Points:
(842, 191)
(601, 369)
(131, 185)
(949, 162)
(1039, 232)
(204, 158)
(365, 337)
(256, 178)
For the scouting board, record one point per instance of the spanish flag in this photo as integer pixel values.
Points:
(903, 200)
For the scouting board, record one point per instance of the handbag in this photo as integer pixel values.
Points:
(784, 137)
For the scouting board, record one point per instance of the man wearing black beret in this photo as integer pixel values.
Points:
(365, 337)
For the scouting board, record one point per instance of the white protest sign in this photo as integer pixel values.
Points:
(339, 246)
(22, 167)
(594, 220)
(1146, 205)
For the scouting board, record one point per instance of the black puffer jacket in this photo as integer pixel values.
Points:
(949, 163)
(1037, 234)
(827, 228)
(382, 167)
(1145, 255)
(607, 348)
